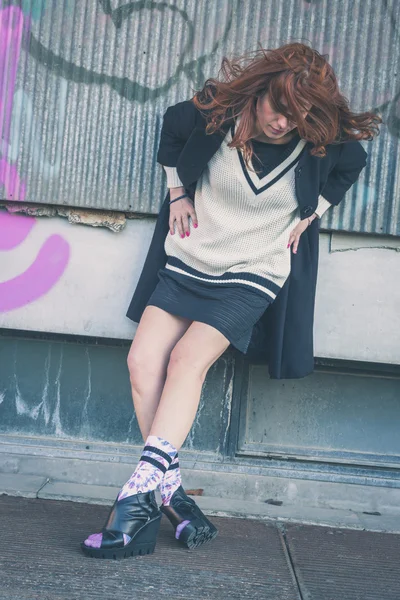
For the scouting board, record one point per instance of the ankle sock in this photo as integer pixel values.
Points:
(156, 457)
(171, 481)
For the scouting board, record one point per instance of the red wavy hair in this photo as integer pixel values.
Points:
(294, 74)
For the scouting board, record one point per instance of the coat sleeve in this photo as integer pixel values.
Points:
(178, 124)
(346, 171)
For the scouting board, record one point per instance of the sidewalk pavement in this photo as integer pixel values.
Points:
(40, 559)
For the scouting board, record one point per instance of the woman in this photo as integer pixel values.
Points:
(252, 162)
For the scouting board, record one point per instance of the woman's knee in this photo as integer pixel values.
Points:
(183, 361)
(142, 367)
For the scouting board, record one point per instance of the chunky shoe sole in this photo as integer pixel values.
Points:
(144, 542)
(197, 532)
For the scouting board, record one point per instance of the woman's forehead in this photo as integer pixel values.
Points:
(282, 101)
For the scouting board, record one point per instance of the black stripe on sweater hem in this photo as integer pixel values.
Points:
(226, 277)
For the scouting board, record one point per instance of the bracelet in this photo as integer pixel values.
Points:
(179, 198)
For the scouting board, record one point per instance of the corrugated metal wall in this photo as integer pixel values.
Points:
(84, 85)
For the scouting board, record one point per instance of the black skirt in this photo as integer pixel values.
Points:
(231, 308)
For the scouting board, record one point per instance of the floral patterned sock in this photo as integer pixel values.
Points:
(156, 457)
(154, 462)
(171, 481)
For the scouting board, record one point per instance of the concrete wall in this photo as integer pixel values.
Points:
(358, 298)
(65, 278)
(73, 279)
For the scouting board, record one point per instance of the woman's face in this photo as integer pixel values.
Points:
(274, 125)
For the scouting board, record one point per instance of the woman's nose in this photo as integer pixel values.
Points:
(282, 122)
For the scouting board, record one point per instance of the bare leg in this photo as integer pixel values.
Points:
(190, 360)
(157, 334)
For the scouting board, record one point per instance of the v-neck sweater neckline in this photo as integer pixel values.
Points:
(267, 156)
(255, 186)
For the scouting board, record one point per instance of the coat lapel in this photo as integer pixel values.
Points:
(198, 151)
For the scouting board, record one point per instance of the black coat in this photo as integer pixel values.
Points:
(284, 335)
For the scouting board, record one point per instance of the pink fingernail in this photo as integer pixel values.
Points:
(195, 225)
(187, 233)
(182, 236)
(288, 246)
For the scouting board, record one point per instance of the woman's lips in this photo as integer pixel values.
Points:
(276, 131)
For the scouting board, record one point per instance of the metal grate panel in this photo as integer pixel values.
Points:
(84, 86)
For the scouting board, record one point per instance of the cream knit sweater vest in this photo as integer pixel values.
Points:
(244, 224)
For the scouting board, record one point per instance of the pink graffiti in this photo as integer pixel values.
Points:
(14, 187)
(53, 256)
(14, 229)
(11, 30)
(43, 273)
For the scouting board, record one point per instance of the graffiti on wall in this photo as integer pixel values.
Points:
(52, 259)
(16, 110)
(74, 64)
(126, 87)
(193, 69)
(11, 30)
(17, 114)
(45, 269)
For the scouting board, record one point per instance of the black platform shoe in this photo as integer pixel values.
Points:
(137, 516)
(196, 528)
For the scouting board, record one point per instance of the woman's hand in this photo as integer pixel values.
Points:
(295, 234)
(179, 213)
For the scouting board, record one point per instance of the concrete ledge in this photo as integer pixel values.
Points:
(236, 487)
(325, 517)
(17, 485)
(78, 492)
